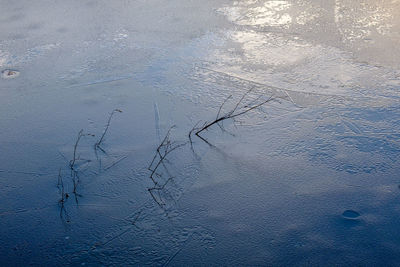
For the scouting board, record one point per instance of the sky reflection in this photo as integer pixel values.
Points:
(270, 13)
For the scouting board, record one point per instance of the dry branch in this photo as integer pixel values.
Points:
(63, 199)
(75, 157)
(98, 143)
(238, 110)
(74, 171)
(159, 159)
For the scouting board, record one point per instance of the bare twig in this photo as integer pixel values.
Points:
(159, 159)
(75, 157)
(169, 260)
(115, 163)
(75, 181)
(223, 103)
(237, 111)
(159, 188)
(60, 183)
(98, 143)
(74, 171)
(63, 199)
(166, 147)
(195, 128)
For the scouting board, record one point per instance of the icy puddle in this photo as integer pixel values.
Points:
(180, 133)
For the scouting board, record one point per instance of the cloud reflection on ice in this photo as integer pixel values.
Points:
(270, 13)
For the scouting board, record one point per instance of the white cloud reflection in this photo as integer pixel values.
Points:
(304, 60)
(261, 13)
(363, 20)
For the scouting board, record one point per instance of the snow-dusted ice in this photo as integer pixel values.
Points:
(309, 178)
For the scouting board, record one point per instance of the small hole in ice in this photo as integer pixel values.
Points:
(9, 74)
(350, 214)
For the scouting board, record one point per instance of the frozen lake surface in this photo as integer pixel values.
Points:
(311, 177)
